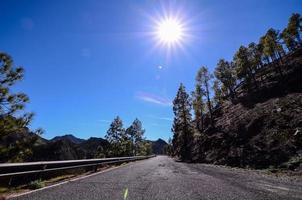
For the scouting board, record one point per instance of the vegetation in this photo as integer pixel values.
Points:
(203, 79)
(243, 75)
(182, 124)
(129, 142)
(135, 134)
(225, 74)
(291, 34)
(198, 107)
(12, 120)
(36, 184)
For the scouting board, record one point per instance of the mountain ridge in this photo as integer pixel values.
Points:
(70, 137)
(69, 147)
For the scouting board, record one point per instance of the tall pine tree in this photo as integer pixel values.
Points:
(225, 73)
(203, 79)
(182, 125)
(294, 26)
(198, 107)
(116, 137)
(135, 133)
(13, 119)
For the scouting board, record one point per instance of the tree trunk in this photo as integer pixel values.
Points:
(299, 39)
(267, 59)
(279, 70)
(253, 77)
(209, 102)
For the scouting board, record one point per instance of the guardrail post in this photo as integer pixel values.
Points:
(95, 168)
(10, 181)
(40, 173)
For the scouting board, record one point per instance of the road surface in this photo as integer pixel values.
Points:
(163, 178)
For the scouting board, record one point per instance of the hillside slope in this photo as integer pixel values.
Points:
(262, 128)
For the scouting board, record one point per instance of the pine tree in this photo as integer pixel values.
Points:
(135, 133)
(12, 121)
(289, 40)
(294, 26)
(203, 78)
(255, 53)
(272, 46)
(264, 55)
(198, 107)
(243, 66)
(218, 92)
(225, 73)
(11, 103)
(169, 148)
(291, 34)
(116, 137)
(182, 125)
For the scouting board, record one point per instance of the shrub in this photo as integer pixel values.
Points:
(36, 184)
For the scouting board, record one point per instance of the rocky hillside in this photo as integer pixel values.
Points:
(260, 129)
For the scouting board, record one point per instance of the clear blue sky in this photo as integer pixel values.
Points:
(88, 61)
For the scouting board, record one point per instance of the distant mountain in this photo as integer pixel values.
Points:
(68, 137)
(60, 149)
(159, 146)
(67, 147)
(94, 147)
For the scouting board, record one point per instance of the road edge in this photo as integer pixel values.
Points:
(72, 180)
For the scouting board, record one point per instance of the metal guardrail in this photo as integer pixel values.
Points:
(17, 169)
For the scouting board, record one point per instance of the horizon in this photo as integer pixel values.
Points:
(93, 137)
(80, 72)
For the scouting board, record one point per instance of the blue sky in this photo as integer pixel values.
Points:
(88, 61)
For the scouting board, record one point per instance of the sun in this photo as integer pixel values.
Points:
(170, 31)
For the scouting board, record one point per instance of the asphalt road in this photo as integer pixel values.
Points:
(163, 178)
